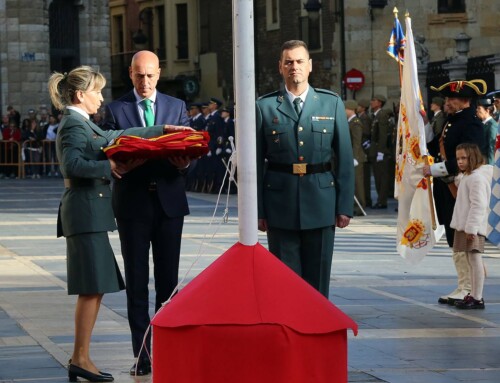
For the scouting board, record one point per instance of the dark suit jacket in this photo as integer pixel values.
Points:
(79, 147)
(131, 191)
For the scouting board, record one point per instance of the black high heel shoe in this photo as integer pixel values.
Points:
(100, 372)
(74, 372)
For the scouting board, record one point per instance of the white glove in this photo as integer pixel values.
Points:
(209, 154)
(380, 156)
(218, 151)
(356, 163)
(228, 151)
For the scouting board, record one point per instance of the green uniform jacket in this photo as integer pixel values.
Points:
(79, 145)
(381, 134)
(294, 202)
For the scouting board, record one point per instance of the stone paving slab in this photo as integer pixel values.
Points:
(405, 336)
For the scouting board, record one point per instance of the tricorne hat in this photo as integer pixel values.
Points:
(462, 89)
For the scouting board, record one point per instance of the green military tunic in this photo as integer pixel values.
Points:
(85, 213)
(293, 204)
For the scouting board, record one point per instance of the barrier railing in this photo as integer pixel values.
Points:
(29, 158)
(10, 159)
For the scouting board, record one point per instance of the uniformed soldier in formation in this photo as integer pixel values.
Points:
(381, 150)
(301, 131)
(461, 126)
(484, 111)
(356, 130)
(229, 132)
(439, 116)
(215, 127)
(197, 122)
(363, 112)
(196, 119)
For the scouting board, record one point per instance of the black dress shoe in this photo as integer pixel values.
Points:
(141, 368)
(100, 372)
(379, 206)
(74, 372)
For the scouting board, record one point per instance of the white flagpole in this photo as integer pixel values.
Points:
(244, 85)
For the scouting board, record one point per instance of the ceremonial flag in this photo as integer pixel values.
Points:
(397, 41)
(186, 143)
(493, 233)
(416, 213)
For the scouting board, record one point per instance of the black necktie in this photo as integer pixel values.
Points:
(296, 105)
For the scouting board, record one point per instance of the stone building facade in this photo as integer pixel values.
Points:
(39, 37)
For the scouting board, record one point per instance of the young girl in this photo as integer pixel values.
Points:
(470, 217)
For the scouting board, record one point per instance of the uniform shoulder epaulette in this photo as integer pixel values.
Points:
(326, 91)
(272, 94)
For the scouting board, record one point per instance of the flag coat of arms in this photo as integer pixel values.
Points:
(416, 214)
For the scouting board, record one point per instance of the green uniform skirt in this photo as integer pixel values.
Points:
(91, 264)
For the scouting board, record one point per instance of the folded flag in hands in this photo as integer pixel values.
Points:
(186, 143)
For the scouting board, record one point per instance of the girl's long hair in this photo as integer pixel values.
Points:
(476, 158)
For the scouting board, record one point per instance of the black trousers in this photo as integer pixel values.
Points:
(164, 234)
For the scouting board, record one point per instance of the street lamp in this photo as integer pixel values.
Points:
(312, 7)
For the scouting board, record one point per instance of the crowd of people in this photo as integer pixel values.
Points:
(27, 148)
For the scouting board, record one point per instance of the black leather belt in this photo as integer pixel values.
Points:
(83, 182)
(300, 168)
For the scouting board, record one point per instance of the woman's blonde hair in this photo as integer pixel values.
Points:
(476, 158)
(62, 87)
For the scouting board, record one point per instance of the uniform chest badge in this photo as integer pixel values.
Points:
(94, 136)
(275, 120)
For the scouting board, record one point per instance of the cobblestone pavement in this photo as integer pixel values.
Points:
(405, 336)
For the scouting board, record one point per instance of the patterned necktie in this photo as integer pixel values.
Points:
(296, 105)
(149, 117)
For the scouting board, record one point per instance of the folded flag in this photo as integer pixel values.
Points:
(186, 143)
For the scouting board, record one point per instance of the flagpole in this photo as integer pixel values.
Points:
(244, 85)
(400, 64)
(431, 198)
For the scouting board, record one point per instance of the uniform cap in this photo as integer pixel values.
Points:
(380, 97)
(214, 100)
(351, 104)
(485, 102)
(462, 89)
(195, 105)
(364, 103)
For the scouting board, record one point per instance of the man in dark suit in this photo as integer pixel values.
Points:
(461, 126)
(301, 131)
(149, 202)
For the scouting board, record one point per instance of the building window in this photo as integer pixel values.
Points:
(451, 6)
(272, 14)
(161, 49)
(182, 32)
(310, 32)
(117, 34)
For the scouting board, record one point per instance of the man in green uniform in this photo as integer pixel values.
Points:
(356, 129)
(381, 150)
(305, 171)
